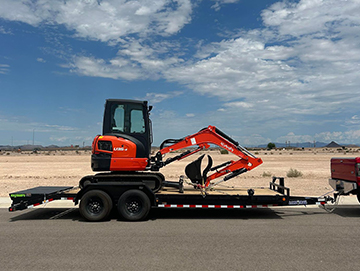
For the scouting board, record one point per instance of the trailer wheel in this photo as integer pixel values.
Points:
(134, 205)
(95, 205)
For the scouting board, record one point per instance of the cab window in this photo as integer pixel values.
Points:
(137, 121)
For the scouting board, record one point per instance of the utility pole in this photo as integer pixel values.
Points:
(33, 136)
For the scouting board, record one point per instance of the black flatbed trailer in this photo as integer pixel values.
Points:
(135, 199)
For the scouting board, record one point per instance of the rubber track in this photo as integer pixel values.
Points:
(126, 177)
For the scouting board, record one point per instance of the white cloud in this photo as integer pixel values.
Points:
(41, 60)
(135, 60)
(103, 20)
(347, 137)
(293, 138)
(20, 124)
(59, 139)
(4, 31)
(304, 62)
(219, 3)
(154, 98)
(254, 140)
(314, 17)
(239, 104)
(190, 115)
(43, 133)
(4, 68)
(115, 68)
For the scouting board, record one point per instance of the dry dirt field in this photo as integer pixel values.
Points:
(20, 171)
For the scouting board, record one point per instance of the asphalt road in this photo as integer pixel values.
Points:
(252, 239)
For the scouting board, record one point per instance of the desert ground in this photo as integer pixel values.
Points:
(19, 171)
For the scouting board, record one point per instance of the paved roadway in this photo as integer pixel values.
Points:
(252, 239)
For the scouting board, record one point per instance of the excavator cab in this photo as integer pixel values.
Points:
(125, 143)
(129, 119)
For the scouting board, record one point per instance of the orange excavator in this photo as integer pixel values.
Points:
(123, 150)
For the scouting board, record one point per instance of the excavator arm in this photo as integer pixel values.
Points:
(203, 139)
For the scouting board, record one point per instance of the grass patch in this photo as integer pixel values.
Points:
(266, 174)
(294, 173)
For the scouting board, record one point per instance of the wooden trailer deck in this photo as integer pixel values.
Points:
(259, 191)
(188, 190)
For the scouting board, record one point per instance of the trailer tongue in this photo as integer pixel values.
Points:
(32, 197)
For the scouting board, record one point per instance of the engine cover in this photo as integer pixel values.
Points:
(112, 153)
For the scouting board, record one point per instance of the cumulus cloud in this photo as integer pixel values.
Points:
(117, 68)
(346, 137)
(301, 64)
(103, 20)
(135, 60)
(304, 62)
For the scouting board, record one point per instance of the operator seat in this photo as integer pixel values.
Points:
(193, 170)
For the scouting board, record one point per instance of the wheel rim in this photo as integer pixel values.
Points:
(133, 206)
(95, 206)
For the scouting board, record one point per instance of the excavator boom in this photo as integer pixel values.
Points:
(203, 139)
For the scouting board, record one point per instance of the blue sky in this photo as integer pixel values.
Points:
(261, 71)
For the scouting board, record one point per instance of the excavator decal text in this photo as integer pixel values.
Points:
(226, 147)
(120, 149)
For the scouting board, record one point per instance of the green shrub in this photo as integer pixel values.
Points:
(294, 173)
(271, 145)
(223, 151)
(266, 174)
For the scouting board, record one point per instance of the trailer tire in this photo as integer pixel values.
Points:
(95, 205)
(134, 205)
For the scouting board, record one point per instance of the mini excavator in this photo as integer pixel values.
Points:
(123, 151)
(129, 175)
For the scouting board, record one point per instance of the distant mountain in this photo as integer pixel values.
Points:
(333, 144)
(28, 147)
(5, 147)
(308, 145)
(31, 147)
(297, 145)
(52, 147)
